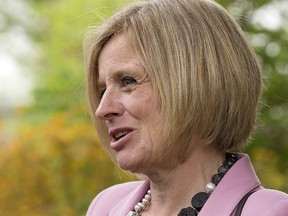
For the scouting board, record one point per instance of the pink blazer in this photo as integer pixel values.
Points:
(118, 200)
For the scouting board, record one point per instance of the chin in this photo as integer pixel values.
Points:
(130, 164)
(126, 163)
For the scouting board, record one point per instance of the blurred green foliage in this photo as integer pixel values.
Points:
(51, 164)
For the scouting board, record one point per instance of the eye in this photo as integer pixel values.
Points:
(126, 81)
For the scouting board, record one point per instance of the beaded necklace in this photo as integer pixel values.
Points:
(199, 199)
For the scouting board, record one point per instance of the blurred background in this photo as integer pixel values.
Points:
(50, 159)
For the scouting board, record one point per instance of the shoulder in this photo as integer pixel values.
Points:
(267, 202)
(109, 197)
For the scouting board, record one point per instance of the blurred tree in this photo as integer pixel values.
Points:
(53, 164)
(54, 169)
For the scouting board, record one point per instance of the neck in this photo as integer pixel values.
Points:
(182, 181)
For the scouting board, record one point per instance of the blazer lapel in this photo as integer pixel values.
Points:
(128, 202)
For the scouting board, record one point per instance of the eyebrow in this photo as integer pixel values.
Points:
(118, 73)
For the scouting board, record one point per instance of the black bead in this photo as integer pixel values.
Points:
(230, 155)
(199, 200)
(187, 212)
(223, 169)
(216, 178)
(229, 162)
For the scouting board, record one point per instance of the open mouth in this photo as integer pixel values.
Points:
(120, 135)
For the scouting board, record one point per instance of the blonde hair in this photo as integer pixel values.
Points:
(204, 73)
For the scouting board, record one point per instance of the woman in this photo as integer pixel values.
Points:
(173, 86)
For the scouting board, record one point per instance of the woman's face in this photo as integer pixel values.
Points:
(128, 107)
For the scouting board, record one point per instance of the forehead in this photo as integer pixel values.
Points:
(118, 55)
(118, 45)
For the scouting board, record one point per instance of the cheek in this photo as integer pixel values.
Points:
(141, 105)
(147, 114)
(143, 109)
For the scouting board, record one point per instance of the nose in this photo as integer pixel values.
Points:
(110, 105)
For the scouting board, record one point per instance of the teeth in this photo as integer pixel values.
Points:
(121, 134)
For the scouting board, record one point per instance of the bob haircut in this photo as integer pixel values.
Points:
(203, 71)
